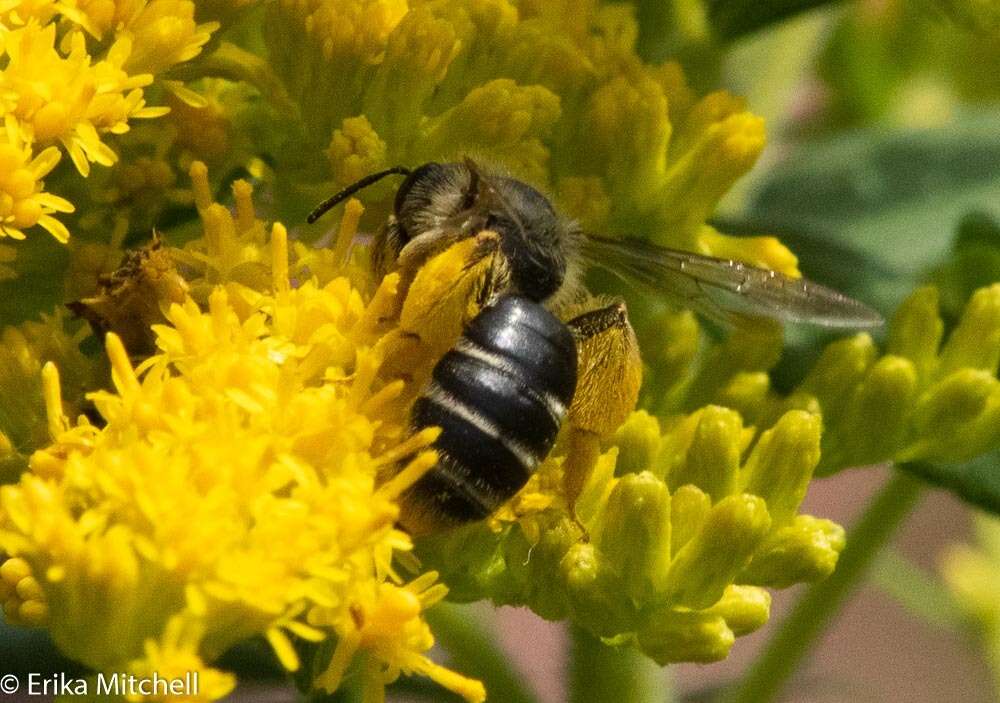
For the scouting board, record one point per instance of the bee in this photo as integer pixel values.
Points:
(541, 351)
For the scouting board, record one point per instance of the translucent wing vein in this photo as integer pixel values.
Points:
(727, 291)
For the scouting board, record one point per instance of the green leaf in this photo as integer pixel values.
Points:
(973, 264)
(892, 197)
(976, 482)
(41, 263)
(871, 212)
(732, 19)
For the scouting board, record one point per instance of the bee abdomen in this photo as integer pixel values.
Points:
(499, 398)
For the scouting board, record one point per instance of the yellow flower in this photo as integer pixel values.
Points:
(18, 12)
(245, 474)
(355, 150)
(164, 34)
(174, 656)
(206, 129)
(358, 28)
(388, 625)
(69, 99)
(100, 16)
(233, 490)
(23, 202)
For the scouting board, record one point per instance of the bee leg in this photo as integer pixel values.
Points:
(584, 450)
(609, 373)
(446, 293)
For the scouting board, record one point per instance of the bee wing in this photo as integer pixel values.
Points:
(726, 291)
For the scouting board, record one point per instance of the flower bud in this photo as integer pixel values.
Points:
(634, 535)
(806, 550)
(594, 591)
(713, 457)
(638, 440)
(975, 341)
(883, 399)
(669, 636)
(916, 331)
(709, 562)
(744, 608)
(781, 464)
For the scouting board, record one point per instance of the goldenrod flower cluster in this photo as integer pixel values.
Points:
(932, 399)
(554, 92)
(230, 491)
(688, 516)
(73, 73)
(239, 474)
(672, 554)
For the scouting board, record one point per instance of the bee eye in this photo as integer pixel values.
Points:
(429, 172)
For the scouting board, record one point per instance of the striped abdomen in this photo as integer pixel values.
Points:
(499, 398)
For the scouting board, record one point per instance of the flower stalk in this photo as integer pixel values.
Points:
(601, 673)
(798, 633)
(472, 647)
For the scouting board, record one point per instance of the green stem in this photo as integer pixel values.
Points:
(474, 652)
(598, 672)
(799, 632)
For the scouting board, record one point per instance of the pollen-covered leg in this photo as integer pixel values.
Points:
(446, 293)
(609, 373)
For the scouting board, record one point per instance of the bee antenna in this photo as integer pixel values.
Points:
(350, 190)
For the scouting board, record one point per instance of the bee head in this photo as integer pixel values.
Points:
(441, 203)
(460, 199)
